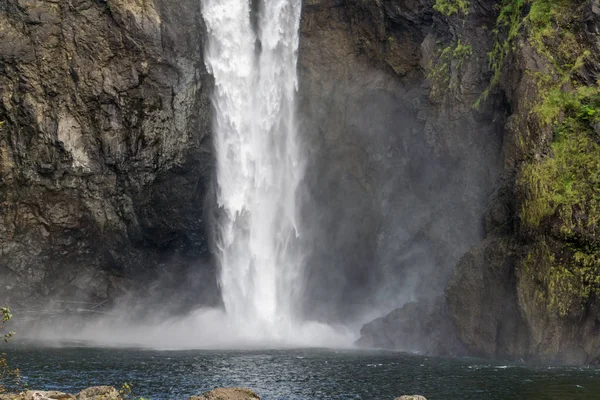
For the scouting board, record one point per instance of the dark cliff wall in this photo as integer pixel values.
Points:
(453, 148)
(529, 290)
(105, 155)
(400, 169)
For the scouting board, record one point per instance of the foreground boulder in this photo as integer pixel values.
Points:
(99, 393)
(93, 393)
(37, 395)
(227, 394)
(414, 397)
(110, 393)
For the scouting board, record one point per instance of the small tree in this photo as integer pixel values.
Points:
(8, 376)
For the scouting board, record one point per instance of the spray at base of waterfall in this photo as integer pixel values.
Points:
(203, 329)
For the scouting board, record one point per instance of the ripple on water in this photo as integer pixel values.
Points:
(299, 374)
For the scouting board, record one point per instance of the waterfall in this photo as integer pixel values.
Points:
(259, 166)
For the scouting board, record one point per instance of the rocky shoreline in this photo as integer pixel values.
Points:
(111, 393)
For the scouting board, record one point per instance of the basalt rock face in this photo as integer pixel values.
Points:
(529, 289)
(105, 155)
(424, 326)
(400, 167)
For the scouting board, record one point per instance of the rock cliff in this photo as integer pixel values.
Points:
(400, 170)
(105, 155)
(529, 289)
(452, 148)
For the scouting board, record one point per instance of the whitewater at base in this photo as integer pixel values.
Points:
(204, 329)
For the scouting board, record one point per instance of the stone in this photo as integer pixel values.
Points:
(37, 395)
(108, 171)
(227, 394)
(93, 393)
(425, 327)
(413, 397)
(99, 393)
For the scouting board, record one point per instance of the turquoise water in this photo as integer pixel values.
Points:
(299, 374)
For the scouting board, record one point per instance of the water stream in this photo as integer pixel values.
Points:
(259, 164)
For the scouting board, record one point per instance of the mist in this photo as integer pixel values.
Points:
(203, 329)
(390, 201)
(382, 196)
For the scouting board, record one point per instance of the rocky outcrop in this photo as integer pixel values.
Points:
(424, 327)
(529, 290)
(414, 397)
(398, 174)
(227, 394)
(110, 393)
(105, 155)
(534, 294)
(488, 327)
(93, 393)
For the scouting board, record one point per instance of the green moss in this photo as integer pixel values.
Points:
(440, 72)
(562, 197)
(508, 26)
(562, 284)
(450, 7)
(543, 20)
(566, 181)
(559, 186)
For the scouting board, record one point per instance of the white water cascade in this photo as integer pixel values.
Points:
(259, 170)
(259, 165)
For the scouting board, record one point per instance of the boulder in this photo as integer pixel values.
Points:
(227, 394)
(99, 393)
(423, 327)
(93, 393)
(37, 395)
(413, 397)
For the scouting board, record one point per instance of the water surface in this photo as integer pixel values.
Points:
(299, 374)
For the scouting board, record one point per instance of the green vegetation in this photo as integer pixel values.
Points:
(9, 377)
(562, 196)
(508, 26)
(559, 183)
(450, 7)
(440, 73)
(546, 23)
(567, 181)
(126, 393)
(562, 283)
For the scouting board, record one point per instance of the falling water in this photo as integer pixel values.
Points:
(259, 166)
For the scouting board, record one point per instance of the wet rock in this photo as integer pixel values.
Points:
(413, 397)
(398, 178)
(227, 394)
(37, 395)
(105, 155)
(482, 301)
(99, 393)
(424, 327)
